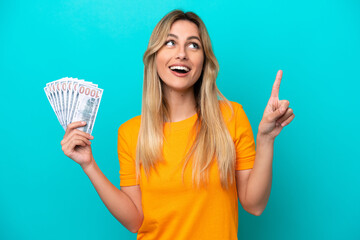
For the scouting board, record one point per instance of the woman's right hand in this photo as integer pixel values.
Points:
(76, 144)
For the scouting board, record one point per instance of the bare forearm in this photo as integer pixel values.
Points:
(260, 180)
(117, 202)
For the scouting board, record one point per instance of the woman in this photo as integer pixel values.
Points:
(189, 157)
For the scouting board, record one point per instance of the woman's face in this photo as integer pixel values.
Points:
(179, 62)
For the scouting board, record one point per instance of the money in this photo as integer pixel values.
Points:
(74, 100)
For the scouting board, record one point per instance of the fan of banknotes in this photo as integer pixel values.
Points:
(74, 100)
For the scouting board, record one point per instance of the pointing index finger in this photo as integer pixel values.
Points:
(276, 86)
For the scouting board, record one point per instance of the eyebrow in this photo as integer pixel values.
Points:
(189, 38)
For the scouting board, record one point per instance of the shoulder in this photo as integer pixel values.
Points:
(130, 126)
(230, 109)
(224, 105)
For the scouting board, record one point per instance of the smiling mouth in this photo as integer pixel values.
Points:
(180, 69)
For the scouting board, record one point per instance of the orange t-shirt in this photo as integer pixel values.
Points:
(173, 210)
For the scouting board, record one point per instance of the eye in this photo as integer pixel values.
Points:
(170, 41)
(195, 45)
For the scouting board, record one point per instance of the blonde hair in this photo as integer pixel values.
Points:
(212, 137)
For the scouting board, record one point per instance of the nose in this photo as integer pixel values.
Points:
(181, 54)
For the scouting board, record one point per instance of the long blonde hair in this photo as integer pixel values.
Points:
(212, 137)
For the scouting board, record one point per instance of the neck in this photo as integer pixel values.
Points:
(182, 105)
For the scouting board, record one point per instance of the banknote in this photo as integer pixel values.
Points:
(60, 100)
(50, 98)
(56, 97)
(74, 100)
(87, 104)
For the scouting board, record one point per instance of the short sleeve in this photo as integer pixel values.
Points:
(244, 140)
(126, 157)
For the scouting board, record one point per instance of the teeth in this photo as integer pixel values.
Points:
(180, 68)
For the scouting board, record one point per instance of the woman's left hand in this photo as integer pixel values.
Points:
(277, 113)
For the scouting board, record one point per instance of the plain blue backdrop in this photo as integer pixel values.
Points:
(315, 188)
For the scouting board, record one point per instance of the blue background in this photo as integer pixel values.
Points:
(315, 190)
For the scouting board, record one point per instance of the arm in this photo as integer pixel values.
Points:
(254, 186)
(277, 115)
(118, 202)
(124, 204)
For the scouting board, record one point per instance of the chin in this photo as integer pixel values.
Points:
(178, 87)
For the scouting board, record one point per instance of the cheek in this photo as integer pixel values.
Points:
(199, 64)
(160, 65)
(199, 60)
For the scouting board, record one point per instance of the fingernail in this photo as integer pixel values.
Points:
(83, 122)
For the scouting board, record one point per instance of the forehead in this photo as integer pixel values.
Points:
(184, 29)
